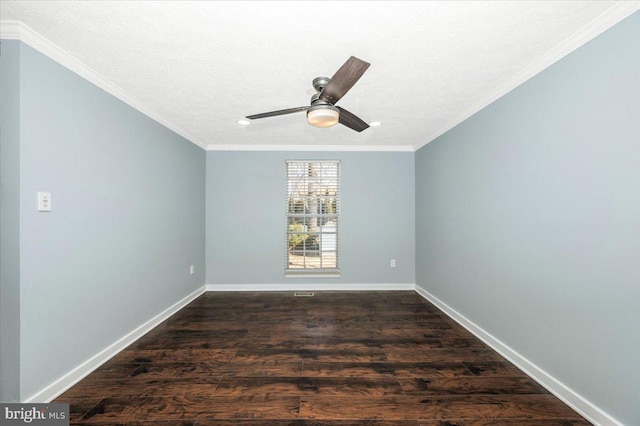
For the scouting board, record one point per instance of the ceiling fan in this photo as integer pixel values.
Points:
(322, 112)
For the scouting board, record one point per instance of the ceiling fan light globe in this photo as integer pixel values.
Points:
(323, 116)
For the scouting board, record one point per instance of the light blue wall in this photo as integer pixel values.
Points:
(246, 222)
(9, 221)
(528, 220)
(127, 221)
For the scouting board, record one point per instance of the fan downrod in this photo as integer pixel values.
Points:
(320, 83)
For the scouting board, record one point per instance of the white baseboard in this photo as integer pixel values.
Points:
(56, 388)
(311, 287)
(553, 385)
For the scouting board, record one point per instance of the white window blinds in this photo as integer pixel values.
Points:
(313, 208)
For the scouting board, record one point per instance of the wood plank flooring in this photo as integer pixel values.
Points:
(338, 358)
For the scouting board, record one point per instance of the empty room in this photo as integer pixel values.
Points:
(329, 213)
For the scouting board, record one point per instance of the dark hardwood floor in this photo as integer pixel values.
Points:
(338, 358)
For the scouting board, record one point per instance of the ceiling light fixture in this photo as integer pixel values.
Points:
(323, 115)
(375, 124)
(243, 122)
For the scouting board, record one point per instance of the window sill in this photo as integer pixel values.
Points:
(326, 273)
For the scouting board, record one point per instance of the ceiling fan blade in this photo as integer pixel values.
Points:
(343, 80)
(351, 121)
(279, 112)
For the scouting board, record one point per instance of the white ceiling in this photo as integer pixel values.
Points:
(199, 66)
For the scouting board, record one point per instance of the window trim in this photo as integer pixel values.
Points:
(311, 272)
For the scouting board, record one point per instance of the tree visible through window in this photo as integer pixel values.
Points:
(313, 205)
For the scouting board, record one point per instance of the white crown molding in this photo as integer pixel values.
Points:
(53, 390)
(319, 148)
(16, 30)
(10, 30)
(567, 395)
(606, 20)
(310, 286)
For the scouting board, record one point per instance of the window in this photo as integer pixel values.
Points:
(313, 207)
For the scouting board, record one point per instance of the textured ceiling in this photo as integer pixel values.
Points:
(203, 65)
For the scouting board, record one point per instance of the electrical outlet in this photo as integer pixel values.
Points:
(44, 201)
(393, 263)
(192, 269)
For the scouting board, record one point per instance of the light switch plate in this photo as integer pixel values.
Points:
(44, 201)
